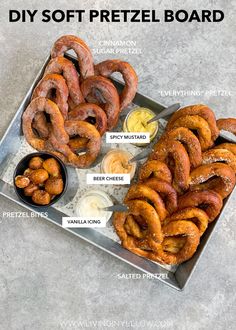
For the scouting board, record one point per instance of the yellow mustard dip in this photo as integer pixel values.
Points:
(137, 121)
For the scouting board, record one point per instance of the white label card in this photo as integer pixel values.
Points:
(78, 222)
(100, 178)
(124, 137)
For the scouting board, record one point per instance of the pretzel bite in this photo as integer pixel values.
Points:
(29, 190)
(189, 141)
(143, 192)
(219, 155)
(166, 191)
(198, 124)
(177, 152)
(98, 84)
(88, 110)
(39, 176)
(84, 55)
(22, 181)
(200, 110)
(54, 186)
(106, 68)
(203, 173)
(156, 169)
(28, 172)
(208, 200)
(227, 124)
(194, 214)
(41, 197)
(35, 163)
(41, 104)
(52, 166)
(63, 66)
(83, 129)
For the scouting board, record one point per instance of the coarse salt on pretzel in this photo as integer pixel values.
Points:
(156, 169)
(63, 66)
(219, 155)
(166, 191)
(106, 68)
(188, 139)
(177, 152)
(203, 173)
(109, 94)
(228, 146)
(208, 200)
(227, 124)
(40, 105)
(194, 214)
(197, 109)
(84, 55)
(143, 192)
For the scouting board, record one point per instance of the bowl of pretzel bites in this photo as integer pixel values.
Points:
(40, 179)
(180, 189)
(70, 110)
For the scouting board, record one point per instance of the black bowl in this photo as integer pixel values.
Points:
(24, 164)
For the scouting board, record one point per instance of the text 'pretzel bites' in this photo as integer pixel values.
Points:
(106, 68)
(82, 51)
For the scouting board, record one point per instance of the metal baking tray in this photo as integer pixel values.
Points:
(176, 277)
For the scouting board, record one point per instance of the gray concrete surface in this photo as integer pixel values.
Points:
(52, 280)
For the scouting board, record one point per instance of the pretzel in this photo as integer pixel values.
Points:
(219, 155)
(208, 200)
(40, 105)
(166, 191)
(200, 110)
(228, 146)
(150, 238)
(175, 150)
(156, 169)
(85, 111)
(83, 129)
(196, 215)
(109, 94)
(227, 124)
(198, 124)
(63, 66)
(141, 191)
(190, 235)
(188, 139)
(106, 68)
(82, 51)
(223, 187)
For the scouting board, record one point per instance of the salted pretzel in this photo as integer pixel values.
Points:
(188, 139)
(219, 155)
(63, 66)
(41, 105)
(208, 200)
(109, 94)
(197, 124)
(84, 55)
(143, 192)
(150, 238)
(200, 176)
(156, 169)
(227, 124)
(166, 191)
(84, 130)
(106, 68)
(200, 110)
(228, 146)
(194, 214)
(177, 152)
